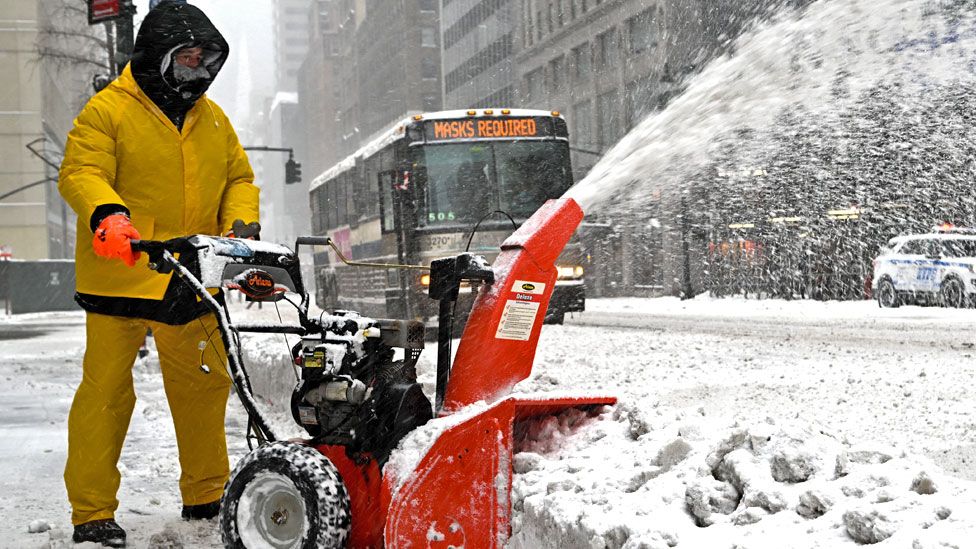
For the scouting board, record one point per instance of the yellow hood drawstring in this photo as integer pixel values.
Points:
(212, 113)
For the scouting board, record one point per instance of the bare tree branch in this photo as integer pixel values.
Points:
(50, 53)
(66, 39)
(52, 31)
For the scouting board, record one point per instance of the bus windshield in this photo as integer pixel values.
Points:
(462, 182)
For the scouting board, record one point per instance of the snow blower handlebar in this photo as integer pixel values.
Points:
(162, 261)
(155, 250)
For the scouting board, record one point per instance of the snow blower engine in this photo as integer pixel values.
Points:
(352, 392)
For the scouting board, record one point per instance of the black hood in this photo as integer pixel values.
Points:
(167, 28)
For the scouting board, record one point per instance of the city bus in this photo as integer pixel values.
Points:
(416, 192)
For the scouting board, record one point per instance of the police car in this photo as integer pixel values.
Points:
(934, 268)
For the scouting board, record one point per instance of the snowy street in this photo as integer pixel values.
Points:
(688, 371)
(901, 377)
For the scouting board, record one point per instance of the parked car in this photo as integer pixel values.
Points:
(934, 268)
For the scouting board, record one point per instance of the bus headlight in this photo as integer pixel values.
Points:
(570, 272)
(425, 280)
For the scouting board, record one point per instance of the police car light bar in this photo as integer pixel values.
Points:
(950, 228)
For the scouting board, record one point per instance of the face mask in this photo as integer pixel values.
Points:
(183, 74)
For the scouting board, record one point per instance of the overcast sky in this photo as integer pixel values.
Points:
(244, 23)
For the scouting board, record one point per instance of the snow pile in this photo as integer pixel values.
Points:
(644, 478)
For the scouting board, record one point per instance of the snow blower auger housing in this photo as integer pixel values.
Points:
(348, 485)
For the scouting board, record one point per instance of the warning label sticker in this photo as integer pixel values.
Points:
(517, 320)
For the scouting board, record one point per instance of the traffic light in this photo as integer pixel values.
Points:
(293, 171)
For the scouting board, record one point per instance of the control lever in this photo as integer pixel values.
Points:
(445, 284)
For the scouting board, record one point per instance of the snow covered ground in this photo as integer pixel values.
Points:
(741, 423)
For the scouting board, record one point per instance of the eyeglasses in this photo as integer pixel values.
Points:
(189, 57)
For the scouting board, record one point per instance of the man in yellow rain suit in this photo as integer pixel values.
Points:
(151, 157)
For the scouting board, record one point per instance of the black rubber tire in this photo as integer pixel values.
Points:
(277, 478)
(953, 293)
(887, 295)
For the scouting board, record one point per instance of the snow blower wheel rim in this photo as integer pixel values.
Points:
(284, 484)
(273, 506)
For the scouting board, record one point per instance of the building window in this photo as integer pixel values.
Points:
(500, 98)
(428, 68)
(557, 69)
(428, 37)
(497, 51)
(429, 5)
(608, 119)
(583, 123)
(606, 49)
(538, 25)
(550, 17)
(642, 32)
(581, 62)
(470, 21)
(533, 87)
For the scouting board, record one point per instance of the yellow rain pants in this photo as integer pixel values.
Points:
(105, 399)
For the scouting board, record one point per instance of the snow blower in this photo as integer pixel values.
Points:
(382, 467)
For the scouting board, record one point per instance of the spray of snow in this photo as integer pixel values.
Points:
(791, 60)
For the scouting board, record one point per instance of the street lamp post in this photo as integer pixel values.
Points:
(124, 34)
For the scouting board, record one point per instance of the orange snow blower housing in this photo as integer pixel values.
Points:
(458, 494)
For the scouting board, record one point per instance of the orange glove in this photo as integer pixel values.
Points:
(112, 239)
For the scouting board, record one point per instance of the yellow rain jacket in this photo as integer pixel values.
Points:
(124, 150)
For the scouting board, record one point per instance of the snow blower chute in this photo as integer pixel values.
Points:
(448, 484)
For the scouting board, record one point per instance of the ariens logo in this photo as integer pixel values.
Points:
(258, 284)
(528, 287)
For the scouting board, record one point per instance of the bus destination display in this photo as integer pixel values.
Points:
(487, 128)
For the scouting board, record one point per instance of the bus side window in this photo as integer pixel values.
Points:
(330, 205)
(385, 181)
(341, 200)
(421, 199)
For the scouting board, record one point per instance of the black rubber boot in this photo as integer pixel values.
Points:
(106, 531)
(201, 512)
